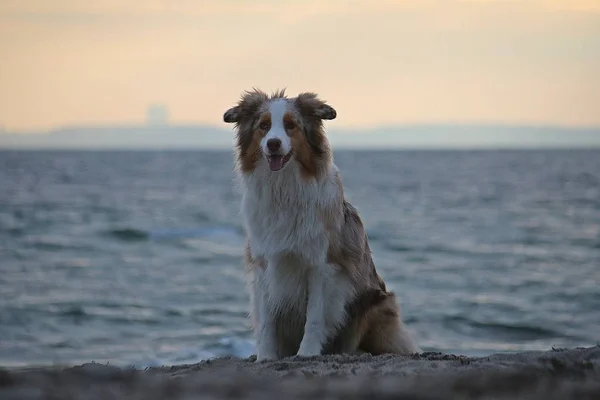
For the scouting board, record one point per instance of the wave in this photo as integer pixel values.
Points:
(128, 234)
(225, 347)
(398, 247)
(74, 312)
(55, 243)
(213, 232)
(527, 247)
(502, 330)
(206, 242)
(117, 315)
(220, 233)
(13, 231)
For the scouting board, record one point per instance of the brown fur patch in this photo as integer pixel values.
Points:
(250, 154)
(316, 143)
(302, 150)
(350, 336)
(349, 248)
(373, 326)
(266, 119)
(383, 331)
(245, 117)
(250, 157)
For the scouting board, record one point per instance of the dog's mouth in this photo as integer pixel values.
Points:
(277, 161)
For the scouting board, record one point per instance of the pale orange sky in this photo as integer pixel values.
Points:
(70, 62)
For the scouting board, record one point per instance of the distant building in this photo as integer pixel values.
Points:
(157, 114)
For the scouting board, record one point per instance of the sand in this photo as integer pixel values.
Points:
(554, 374)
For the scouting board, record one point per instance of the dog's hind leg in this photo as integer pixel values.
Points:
(385, 333)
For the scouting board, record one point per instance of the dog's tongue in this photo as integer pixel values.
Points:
(275, 163)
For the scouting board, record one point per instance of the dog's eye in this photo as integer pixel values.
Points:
(263, 125)
(289, 126)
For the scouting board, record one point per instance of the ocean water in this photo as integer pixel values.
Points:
(134, 258)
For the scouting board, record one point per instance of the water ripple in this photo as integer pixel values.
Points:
(134, 258)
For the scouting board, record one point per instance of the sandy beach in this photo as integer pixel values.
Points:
(554, 374)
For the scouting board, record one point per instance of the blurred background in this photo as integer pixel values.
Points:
(468, 136)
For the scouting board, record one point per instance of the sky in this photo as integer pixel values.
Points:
(378, 62)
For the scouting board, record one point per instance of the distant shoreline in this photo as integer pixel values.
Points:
(401, 137)
(337, 149)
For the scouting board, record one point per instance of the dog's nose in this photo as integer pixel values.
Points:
(273, 145)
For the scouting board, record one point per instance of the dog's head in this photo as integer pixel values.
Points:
(275, 130)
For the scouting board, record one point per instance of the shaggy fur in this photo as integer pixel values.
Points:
(313, 285)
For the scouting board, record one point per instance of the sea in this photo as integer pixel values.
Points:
(133, 258)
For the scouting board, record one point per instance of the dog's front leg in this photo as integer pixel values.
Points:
(267, 345)
(266, 342)
(321, 296)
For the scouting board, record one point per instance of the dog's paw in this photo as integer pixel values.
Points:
(308, 349)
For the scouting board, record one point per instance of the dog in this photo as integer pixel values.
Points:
(313, 285)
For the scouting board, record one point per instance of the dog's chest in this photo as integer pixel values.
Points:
(285, 218)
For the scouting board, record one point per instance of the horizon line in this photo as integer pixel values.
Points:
(483, 148)
(129, 125)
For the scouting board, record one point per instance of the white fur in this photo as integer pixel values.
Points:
(265, 333)
(277, 108)
(280, 212)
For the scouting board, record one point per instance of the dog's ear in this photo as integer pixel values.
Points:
(246, 107)
(232, 115)
(310, 105)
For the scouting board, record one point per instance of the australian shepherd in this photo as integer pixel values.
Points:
(313, 285)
